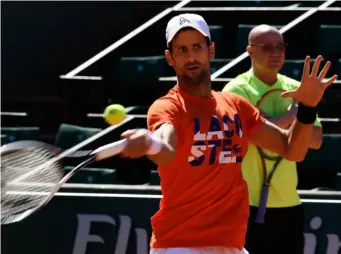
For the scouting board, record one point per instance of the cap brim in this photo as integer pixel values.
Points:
(182, 27)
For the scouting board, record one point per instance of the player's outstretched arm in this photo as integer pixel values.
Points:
(159, 146)
(167, 136)
(285, 121)
(159, 143)
(293, 144)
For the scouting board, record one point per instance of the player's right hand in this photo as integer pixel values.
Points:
(139, 141)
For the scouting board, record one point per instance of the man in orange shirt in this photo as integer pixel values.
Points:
(198, 138)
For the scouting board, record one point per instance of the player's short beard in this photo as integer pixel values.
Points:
(201, 78)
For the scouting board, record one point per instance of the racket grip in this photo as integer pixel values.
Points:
(262, 204)
(109, 150)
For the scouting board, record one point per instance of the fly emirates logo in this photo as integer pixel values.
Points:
(217, 143)
(103, 233)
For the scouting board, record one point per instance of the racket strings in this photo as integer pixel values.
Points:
(25, 162)
(273, 104)
(30, 166)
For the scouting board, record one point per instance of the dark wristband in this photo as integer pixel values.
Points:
(305, 114)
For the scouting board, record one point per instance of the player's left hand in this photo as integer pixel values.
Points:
(312, 86)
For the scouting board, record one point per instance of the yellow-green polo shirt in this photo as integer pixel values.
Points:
(283, 185)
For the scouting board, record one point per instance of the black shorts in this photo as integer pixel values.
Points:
(282, 231)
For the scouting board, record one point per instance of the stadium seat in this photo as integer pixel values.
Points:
(217, 36)
(139, 71)
(338, 181)
(154, 178)
(93, 175)
(254, 3)
(338, 68)
(328, 156)
(308, 4)
(242, 37)
(322, 165)
(218, 63)
(4, 139)
(329, 43)
(15, 119)
(70, 135)
(216, 33)
(21, 133)
(293, 69)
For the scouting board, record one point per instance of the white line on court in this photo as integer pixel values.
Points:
(142, 196)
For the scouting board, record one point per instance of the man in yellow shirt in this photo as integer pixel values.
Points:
(284, 219)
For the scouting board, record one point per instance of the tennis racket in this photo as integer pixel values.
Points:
(269, 99)
(29, 167)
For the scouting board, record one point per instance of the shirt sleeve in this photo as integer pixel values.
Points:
(250, 115)
(163, 110)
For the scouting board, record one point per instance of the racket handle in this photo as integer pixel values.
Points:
(109, 150)
(262, 204)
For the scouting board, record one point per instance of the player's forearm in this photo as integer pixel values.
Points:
(282, 121)
(298, 140)
(317, 138)
(300, 133)
(166, 134)
(165, 156)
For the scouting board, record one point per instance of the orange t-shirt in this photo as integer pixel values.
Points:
(205, 198)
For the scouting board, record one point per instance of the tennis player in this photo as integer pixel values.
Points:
(284, 222)
(198, 138)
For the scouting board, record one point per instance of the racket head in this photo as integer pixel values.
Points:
(273, 104)
(273, 100)
(26, 168)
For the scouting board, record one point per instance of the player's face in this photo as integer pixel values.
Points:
(190, 57)
(268, 52)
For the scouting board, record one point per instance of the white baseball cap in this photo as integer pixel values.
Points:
(194, 21)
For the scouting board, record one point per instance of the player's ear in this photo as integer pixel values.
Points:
(249, 50)
(169, 58)
(211, 49)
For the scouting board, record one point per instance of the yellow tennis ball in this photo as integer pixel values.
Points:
(114, 114)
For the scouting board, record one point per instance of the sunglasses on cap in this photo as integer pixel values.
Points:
(269, 47)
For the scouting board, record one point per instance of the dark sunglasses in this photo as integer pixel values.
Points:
(271, 47)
